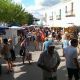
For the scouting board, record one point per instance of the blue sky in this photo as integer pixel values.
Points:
(40, 2)
(28, 2)
(25, 2)
(30, 5)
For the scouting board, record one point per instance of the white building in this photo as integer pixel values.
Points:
(63, 14)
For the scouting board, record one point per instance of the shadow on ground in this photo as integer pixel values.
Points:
(31, 72)
(62, 73)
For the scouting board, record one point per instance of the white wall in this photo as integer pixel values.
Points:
(11, 33)
(64, 20)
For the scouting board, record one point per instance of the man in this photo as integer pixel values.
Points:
(72, 65)
(47, 43)
(49, 61)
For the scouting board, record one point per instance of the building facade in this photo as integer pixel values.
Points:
(63, 14)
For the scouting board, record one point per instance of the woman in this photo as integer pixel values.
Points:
(23, 49)
(11, 47)
(7, 55)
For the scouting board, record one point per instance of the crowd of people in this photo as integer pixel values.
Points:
(44, 40)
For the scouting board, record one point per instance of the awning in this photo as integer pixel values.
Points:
(2, 30)
(16, 27)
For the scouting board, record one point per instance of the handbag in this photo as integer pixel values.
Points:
(13, 56)
(21, 52)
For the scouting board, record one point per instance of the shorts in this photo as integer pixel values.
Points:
(7, 56)
(73, 72)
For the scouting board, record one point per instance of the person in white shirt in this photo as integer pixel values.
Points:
(48, 62)
(70, 54)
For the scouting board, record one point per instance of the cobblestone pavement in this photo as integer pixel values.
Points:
(32, 72)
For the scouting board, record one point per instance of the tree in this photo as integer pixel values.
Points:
(30, 19)
(14, 13)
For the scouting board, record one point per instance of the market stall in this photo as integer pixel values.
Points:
(56, 29)
(71, 30)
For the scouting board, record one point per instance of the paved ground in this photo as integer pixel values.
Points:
(32, 72)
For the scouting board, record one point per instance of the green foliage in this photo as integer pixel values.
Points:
(30, 19)
(14, 13)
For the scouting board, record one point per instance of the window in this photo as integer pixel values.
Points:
(72, 7)
(65, 9)
(45, 17)
(69, 10)
(58, 17)
(51, 16)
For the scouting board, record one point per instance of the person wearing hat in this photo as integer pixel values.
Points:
(48, 42)
(49, 61)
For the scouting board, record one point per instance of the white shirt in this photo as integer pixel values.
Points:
(49, 61)
(70, 53)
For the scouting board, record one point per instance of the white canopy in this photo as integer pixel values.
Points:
(16, 27)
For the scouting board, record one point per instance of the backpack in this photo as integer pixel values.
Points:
(21, 52)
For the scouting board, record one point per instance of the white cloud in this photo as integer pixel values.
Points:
(39, 6)
(46, 2)
(50, 2)
(35, 10)
(39, 2)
